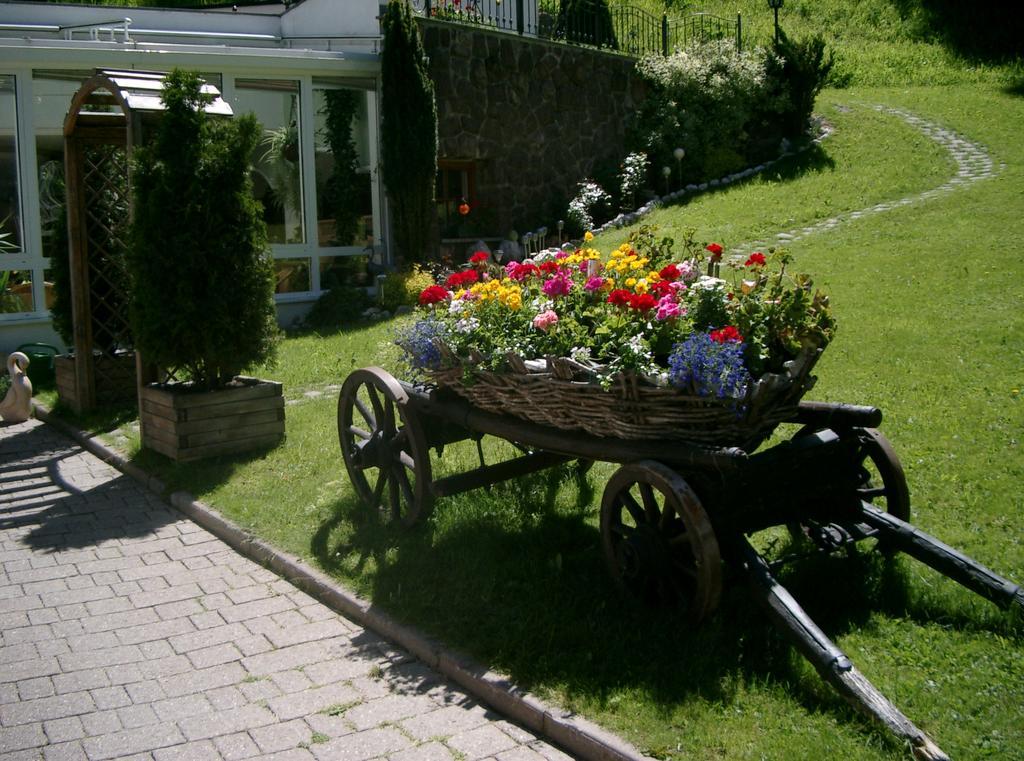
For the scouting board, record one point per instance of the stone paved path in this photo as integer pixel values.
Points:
(126, 631)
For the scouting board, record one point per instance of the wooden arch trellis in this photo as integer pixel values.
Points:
(109, 115)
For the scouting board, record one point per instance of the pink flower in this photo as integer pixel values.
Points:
(668, 308)
(559, 285)
(545, 320)
(687, 272)
(594, 284)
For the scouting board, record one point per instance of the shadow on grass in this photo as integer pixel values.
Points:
(517, 580)
(988, 31)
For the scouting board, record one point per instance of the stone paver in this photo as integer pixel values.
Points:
(126, 631)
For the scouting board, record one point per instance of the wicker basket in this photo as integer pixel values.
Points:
(566, 395)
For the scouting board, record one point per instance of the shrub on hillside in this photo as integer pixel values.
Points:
(796, 73)
(702, 100)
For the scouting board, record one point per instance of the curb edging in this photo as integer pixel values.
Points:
(572, 733)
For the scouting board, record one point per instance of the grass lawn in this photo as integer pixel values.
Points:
(928, 301)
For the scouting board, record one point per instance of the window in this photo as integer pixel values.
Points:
(456, 193)
(277, 172)
(344, 187)
(15, 283)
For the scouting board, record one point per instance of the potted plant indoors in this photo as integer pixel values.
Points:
(202, 282)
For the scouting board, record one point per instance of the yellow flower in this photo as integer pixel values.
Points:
(637, 265)
(641, 286)
(630, 282)
(588, 236)
(653, 277)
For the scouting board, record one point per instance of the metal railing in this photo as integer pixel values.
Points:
(626, 29)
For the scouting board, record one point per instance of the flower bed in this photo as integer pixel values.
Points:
(644, 343)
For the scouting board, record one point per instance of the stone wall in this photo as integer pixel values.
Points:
(536, 117)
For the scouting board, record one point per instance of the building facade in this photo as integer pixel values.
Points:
(309, 72)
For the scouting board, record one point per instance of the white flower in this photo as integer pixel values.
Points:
(708, 283)
(467, 325)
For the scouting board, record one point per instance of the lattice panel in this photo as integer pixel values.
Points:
(106, 196)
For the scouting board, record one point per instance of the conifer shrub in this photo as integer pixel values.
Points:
(202, 278)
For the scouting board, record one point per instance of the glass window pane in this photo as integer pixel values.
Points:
(292, 275)
(277, 172)
(16, 291)
(344, 195)
(10, 205)
(51, 96)
(344, 270)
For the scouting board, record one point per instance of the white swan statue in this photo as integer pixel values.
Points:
(17, 404)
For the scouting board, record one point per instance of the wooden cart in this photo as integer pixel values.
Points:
(673, 516)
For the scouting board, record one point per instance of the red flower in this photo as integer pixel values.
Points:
(478, 256)
(716, 251)
(549, 266)
(725, 335)
(662, 288)
(461, 279)
(642, 302)
(520, 272)
(432, 295)
(756, 260)
(619, 297)
(463, 208)
(669, 272)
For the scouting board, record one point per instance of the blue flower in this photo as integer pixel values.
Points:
(708, 368)
(417, 342)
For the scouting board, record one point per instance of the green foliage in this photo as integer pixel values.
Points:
(797, 72)
(402, 288)
(342, 187)
(703, 100)
(202, 279)
(408, 132)
(339, 306)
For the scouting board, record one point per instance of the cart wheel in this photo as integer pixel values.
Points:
(658, 541)
(383, 445)
(883, 483)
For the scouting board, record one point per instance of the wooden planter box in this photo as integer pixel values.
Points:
(187, 425)
(114, 378)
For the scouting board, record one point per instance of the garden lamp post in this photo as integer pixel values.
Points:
(775, 5)
(679, 153)
(666, 172)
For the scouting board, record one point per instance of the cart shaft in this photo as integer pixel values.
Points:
(943, 558)
(830, 662)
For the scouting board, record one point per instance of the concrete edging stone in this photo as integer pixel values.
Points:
(578, 736)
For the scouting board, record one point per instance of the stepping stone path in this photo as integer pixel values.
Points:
(973, 164)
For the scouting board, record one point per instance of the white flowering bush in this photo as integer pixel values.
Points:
(633, 178)
(704, 100)
(589, 207)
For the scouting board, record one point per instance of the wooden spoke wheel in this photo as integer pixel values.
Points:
(383, 445)
(882, 481)
(658, 541)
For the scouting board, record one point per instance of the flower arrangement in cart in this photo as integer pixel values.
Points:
(691, 319)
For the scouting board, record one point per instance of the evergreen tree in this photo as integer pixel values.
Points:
(408, 132)
(202, 279)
